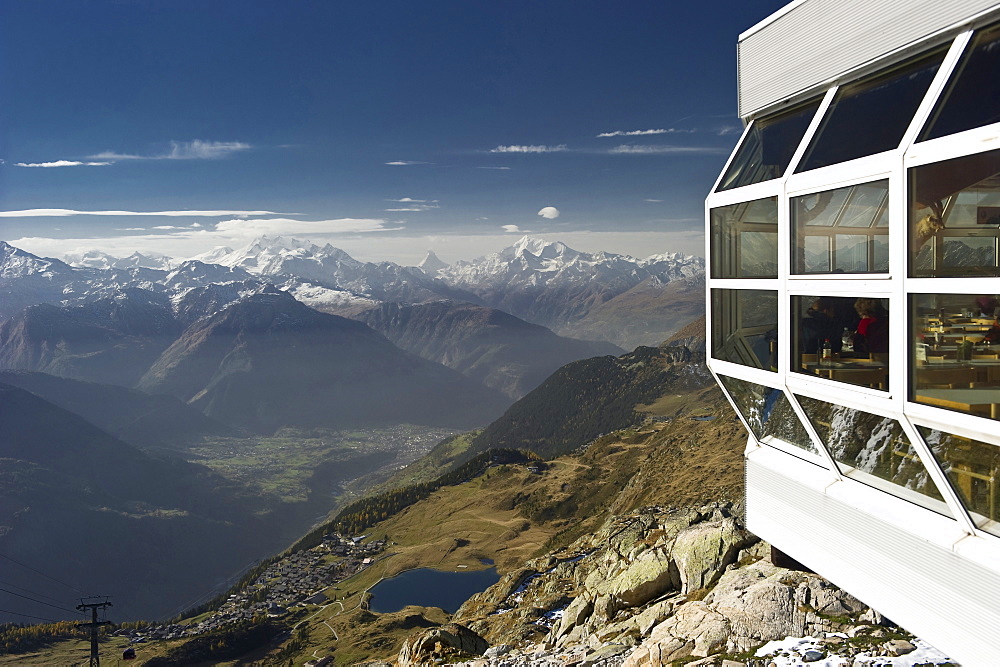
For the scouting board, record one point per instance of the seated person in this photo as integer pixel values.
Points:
(819, 325)
(873, 330)
(986, 307)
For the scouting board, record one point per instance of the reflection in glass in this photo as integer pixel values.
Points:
(842, 231)
(875, 451)
(973, 467)
(768, 412)
(768, 147)
(962, 106)
(745, 239)
(955, 216)
(842, 338)
(870, 116)
(745, 327)
(955, 352)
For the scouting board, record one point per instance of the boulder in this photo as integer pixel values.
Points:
(702, 551)
(448, 640)
(644, 579)
(695, 630)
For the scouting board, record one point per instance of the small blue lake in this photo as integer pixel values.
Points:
(430, 588)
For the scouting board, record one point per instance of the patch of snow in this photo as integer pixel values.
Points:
(789, 652)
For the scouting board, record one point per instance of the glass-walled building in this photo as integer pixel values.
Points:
(854, 279)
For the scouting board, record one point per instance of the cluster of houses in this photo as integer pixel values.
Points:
(297, 579)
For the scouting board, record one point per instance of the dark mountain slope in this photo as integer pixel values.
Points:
(140, 419)
(644, 314)
(485, 344)
(588, 398)
(111, 340)
(268, 361)
(108, 518)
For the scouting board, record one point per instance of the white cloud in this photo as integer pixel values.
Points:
(184, 150)
(204, 150)
(549, 212)
(643, 133)
(631, 133)
(497, 168)
(62, 212)
(111, 155)
(653, 201)
(167, 227)
(512, 229)
(405, 248)
(632, 149)
(413, 205)
(288, 226)
(529, 149)
(404, 163)
(62, 163)
(130, 229)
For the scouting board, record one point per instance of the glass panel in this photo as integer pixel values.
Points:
(970, 99)
(955, 217)
(842, 338)
(973, 467)
(842, 230)
(870, 116)
(768, 412)
(875, 451)
(768, 147)
(745, 239)
(745, 327)
(956, 352)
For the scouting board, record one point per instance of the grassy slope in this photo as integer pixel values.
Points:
(511, 514)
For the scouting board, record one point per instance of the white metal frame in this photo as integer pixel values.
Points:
(895, 285)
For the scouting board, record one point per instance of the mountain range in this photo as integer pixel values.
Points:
(574, 293)
(110, 321)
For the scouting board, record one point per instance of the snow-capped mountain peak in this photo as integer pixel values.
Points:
(16, 263)
(431, 263)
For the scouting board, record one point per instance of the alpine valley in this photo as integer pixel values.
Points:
(165, 424)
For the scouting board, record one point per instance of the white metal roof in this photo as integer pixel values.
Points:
(810, 43)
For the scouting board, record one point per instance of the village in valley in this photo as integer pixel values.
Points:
(297, 579)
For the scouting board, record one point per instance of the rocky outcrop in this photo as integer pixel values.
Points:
(450, 640)
(653, 588)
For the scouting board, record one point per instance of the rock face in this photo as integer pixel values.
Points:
(451, 640)
(665, 585)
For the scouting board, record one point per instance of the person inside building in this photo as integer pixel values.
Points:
(820, 325)
(872, 336)
(986, 307)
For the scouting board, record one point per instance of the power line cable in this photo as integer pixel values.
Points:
(63, 583)
(28, 590)
(39, 618)
(72, 611)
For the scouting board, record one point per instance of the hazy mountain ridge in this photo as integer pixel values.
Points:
(135, 417)
(109, 340)
(489, 345)
(70, 488)
(268, 360)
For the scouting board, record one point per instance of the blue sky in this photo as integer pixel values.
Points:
(383, 127)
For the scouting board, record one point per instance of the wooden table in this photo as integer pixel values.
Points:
(856, 371)
(964, 400)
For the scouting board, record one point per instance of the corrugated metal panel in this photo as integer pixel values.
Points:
(819, 40)
(948, 600)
